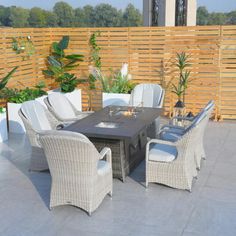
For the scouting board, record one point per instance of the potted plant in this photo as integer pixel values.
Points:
(3, 116)
(183, 82)
(15, 99)
(116, 87)
(59, 64)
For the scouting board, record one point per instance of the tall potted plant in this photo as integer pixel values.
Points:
(183, 82)
(59, 66)
(3, 116)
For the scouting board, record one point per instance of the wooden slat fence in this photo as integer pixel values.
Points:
(150, 52)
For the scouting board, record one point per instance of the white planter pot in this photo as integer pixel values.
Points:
(74, 97)
(16, 125)
(116, 99)
(3, 127)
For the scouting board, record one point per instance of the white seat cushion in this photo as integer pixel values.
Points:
(162, 153)
(103, 167)
(61, 106)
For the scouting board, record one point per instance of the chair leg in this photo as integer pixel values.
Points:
(110, 193)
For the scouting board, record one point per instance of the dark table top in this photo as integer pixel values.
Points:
(127, 126)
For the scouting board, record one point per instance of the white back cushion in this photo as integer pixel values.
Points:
(147, 95)
(61, 106)
(35, 114)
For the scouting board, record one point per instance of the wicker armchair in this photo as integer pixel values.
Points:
(148, 95)
(172, 164)
(62, 109)
(173, 133)
(37, 118)
(79, 175)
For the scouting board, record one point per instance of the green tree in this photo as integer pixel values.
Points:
(202, 16)
(65, 14)
(132, 16)
(37, 17)
(80, 17)
(107, 16)
(4, 16)
(19, 17)
(231, 18)
(51, 19)
(217, 18)
(89, 13)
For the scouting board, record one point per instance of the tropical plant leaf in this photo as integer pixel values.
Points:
(5, 79)
(76, 57)
(63, 44)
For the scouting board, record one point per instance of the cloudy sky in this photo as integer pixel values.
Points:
(212, 5)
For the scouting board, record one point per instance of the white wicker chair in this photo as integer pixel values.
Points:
(148, 95)
(172, 164)
(37, 118)
(62, 109)
(173, 133)
(79, 175)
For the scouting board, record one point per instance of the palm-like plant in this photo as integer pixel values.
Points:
(184, 76)
(3, 84)
(59, 65)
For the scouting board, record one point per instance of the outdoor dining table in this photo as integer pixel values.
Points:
(123, 129)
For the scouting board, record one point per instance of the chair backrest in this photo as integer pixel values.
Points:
(70, 152)
(34, 112)
(210, 105)
(147, 95)
(206, 110)
(61, 106)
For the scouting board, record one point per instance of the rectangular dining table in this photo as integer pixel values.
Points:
(124, 130)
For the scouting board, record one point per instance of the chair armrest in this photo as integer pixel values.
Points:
(180, 131)
(106, 152)
(84, 113)
(68, 121)
(172, 126)
(160, 141)
(60, 126)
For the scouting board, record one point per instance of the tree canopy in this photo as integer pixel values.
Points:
(63, 15)
(101, 15)
(215, 18)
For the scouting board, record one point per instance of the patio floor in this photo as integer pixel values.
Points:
(209, 210)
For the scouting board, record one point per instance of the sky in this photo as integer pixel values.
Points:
(212, 5)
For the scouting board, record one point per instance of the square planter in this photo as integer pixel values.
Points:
(3, 127)
(116, 99)
(74, 97)
(16, 125)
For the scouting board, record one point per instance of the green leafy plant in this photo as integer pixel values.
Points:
(2, 110)
(59, 65)
(5, 79)
(3, 84)
(27, 94)
(95, 61)
(184, 76)
(117, 82)
(23, 45)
